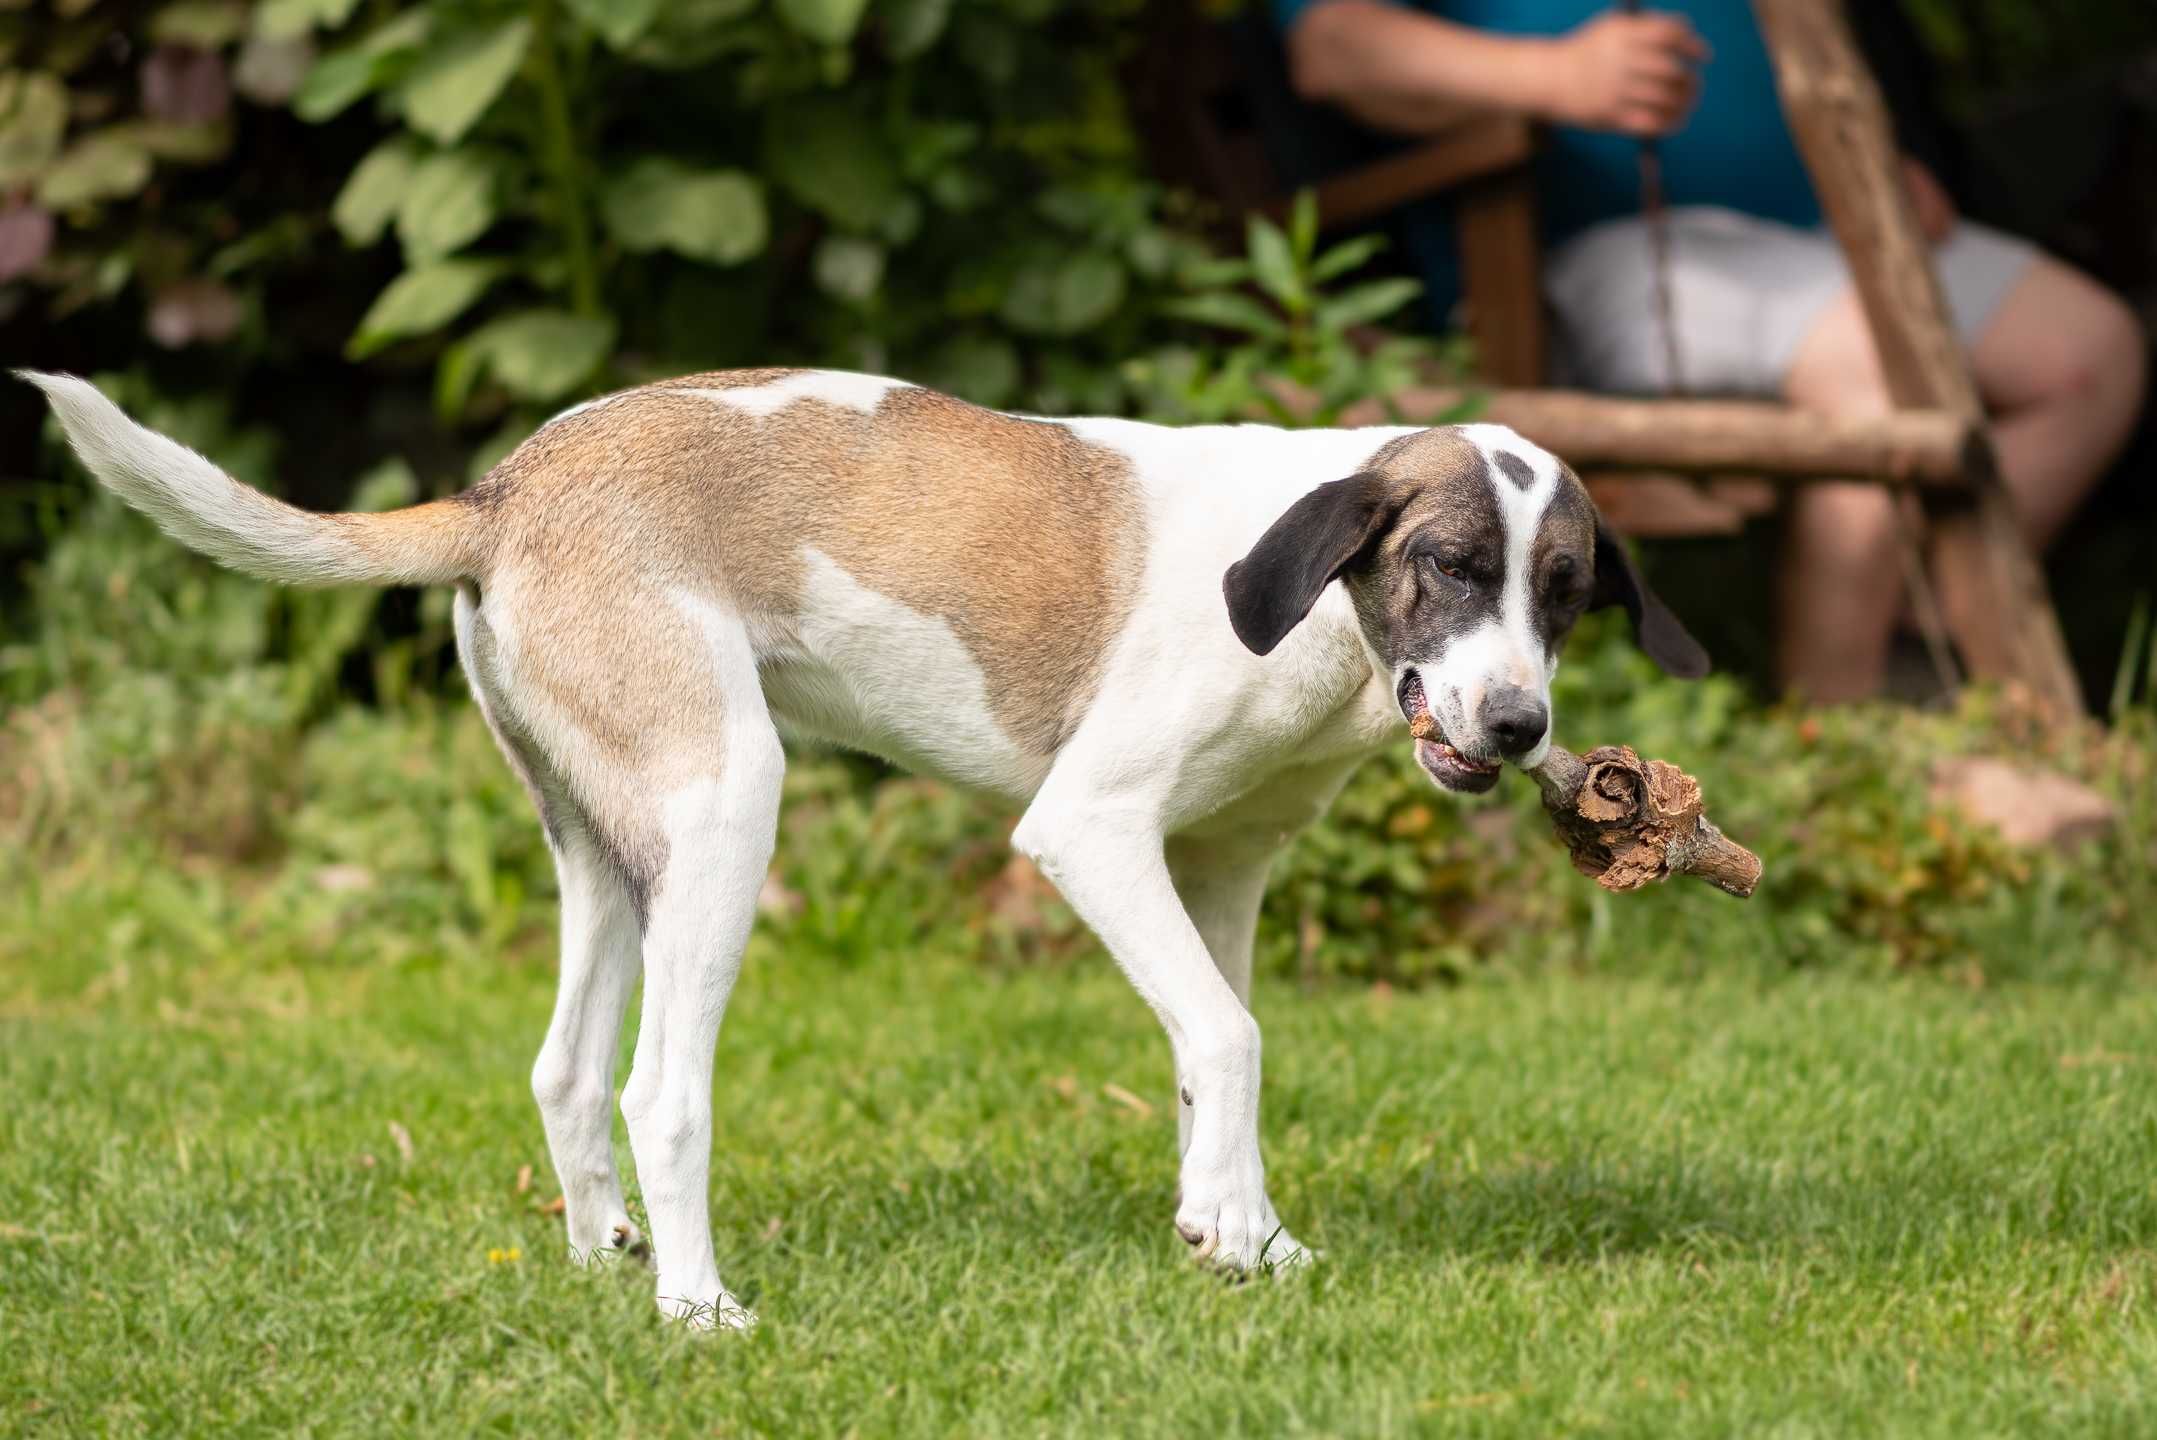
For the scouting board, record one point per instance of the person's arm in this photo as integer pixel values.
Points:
(1400, 69)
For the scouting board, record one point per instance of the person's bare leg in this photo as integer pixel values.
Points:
(1840, 583)
(2061, 365)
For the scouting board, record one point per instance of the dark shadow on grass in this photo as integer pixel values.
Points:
(1578, 1209)
(1587, 1206)
(1569, 1212)
(1574, 1210)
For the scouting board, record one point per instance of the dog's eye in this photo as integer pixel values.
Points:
(1452, 571)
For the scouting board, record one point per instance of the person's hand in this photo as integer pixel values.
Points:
(1635, 74)
(1929, 198)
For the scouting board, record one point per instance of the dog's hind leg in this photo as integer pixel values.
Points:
(573, 1078)
(718, 807)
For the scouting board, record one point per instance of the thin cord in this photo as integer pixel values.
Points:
(1651, 209)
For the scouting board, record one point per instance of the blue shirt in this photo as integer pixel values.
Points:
(1734, 151)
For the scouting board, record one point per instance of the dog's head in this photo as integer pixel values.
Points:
(1469, 554)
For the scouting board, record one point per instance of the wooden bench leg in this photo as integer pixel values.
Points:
(1501, 261)
(2007, 629)
(1843, 131)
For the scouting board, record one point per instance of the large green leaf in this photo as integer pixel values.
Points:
(912, 26)
(829, 21)
(1348, 255)
(335, 81)
(33, 121)
(204, 24)
(460, 74)
(374, 190)
(1303, 226)
(618, 22)
(190, 144)
(1200, 271)
(455, 374)
(926, 146)
(848, 267)
(1063, 292)
(419, 301)
(344, 75)
(833, 159)
(662, 204)
(450, 201)
(1273, 263)
(100, 166)
(1225, 310)
(1365, 303)
(542, 354)
(290, 19)
(688, 34)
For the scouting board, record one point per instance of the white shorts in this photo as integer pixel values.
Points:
(1745, 292)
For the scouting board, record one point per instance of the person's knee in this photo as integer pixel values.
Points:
(1836, 370)
(2119, 348)
(1845, 529)
(2104, 348)
(2090, 354)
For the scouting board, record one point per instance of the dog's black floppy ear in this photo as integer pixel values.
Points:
(1659, 632)
(1271, 589)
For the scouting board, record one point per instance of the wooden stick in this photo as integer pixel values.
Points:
(1627, 821)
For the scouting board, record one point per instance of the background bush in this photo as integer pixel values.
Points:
(355, 251)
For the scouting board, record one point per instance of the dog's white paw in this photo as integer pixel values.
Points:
(619, 1241)
(1239, 1237)
(721, 1312)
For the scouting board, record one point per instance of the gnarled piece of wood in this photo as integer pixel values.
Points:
(1627, 821)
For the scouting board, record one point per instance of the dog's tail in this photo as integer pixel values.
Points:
(234, 524)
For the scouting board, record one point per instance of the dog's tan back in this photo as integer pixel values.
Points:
(1024, 539)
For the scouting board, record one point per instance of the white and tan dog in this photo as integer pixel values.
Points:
(658, 584)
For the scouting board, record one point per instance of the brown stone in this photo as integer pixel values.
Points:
(2029, 807)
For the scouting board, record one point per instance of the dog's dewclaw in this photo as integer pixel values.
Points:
(1628, 821)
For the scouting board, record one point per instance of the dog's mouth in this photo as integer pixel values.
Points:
(1439, 759)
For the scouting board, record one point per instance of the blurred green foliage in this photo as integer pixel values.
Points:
(399, 833)
(1864, 866)
(577, 194)
(177, 744)
(1295, 330)
(1985, 49)
(546, 199)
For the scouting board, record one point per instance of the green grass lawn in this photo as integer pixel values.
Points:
(1763, 1202)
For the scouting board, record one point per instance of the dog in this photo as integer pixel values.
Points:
(1169, 646)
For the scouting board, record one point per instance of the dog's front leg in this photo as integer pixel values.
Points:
(1220, 887)
(1111, 867)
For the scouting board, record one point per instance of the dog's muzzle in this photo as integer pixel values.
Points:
(1441, 759)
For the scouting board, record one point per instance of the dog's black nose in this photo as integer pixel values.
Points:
(1515, 719)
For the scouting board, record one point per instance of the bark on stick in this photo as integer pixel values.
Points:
(1627, 821)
